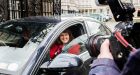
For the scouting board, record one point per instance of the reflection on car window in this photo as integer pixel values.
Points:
(41, 35)
(17, 34)
(76, 46)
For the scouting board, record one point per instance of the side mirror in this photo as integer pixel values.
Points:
(63, 62)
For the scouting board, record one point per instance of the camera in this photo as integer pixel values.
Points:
(122, 9)
(125, 37)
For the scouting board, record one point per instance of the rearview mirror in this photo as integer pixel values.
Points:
(63, 62)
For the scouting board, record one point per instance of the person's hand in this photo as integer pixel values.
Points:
(105, 51)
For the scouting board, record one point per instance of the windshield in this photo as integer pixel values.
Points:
(17, 34)
(15, 50)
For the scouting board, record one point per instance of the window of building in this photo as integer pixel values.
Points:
(138, 13)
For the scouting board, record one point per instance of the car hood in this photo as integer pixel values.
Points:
(13, 59)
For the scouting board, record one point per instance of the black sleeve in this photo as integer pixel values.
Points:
(132, 66)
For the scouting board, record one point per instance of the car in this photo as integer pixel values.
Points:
(25, 44)
(101, 17)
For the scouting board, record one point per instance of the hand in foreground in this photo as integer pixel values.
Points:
(105, 51)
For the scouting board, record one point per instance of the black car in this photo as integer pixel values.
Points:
(25, 44)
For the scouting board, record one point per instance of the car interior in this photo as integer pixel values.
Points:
(77, 30)
(76, 44)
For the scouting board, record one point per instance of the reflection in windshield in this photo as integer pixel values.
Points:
(17, 34)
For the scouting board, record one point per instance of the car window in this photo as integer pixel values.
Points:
(75, 30)
(96, 28)
(76, 46)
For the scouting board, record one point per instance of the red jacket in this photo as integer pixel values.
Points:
(75, 49)
(55, 50)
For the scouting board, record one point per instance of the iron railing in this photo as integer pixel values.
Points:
(13, 9)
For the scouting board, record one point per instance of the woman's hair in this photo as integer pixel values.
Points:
(70, 36)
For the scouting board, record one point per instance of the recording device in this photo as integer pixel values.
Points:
(122, 9)
(125, 38)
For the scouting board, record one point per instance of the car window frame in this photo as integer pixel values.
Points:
(54, 34)
(83, 27)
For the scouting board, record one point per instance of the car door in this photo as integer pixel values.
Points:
(77, 28)
(93, 27)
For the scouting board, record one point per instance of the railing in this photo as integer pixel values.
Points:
(13, 9)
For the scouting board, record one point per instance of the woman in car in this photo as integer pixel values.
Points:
(64, 38)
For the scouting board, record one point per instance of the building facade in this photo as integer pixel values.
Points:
(85, 7)
(137, 6)
(82, 7)
(69, 7)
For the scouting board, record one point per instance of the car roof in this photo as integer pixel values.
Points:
(44, 19)
(31, 21)
(80, 18)
(39, 20)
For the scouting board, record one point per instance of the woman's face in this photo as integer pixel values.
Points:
(64, 37)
